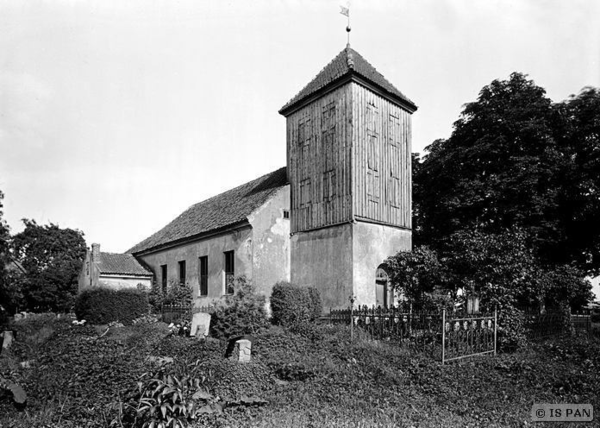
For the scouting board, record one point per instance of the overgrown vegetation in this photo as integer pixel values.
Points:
(79, 377)
(102, 305)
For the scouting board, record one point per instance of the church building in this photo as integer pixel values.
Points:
(328, 220)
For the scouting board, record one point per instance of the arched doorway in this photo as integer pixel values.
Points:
(384, 294)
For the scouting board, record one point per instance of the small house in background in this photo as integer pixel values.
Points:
(112, 270)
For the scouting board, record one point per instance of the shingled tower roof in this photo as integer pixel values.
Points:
(346, 66)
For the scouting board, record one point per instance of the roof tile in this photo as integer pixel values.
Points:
(230, 207)
(124, 264)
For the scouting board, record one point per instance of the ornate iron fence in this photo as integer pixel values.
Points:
(408, 328)
(443, 336)
(172, 313)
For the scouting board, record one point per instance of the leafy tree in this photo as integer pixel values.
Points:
(498, 169)
(566, 284)
(415, 273)
(516, 160)
(52, 258)
(500, 268)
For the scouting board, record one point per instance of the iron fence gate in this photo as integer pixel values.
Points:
(468, 336)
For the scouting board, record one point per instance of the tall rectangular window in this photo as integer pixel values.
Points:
(203, 275)
(163, 277)
(229, 271)
(182, 272)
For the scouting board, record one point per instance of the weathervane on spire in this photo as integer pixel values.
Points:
(345, 10)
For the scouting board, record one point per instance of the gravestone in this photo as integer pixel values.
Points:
(8, 338)
(242, 352)
(240, 349)
(200, 324)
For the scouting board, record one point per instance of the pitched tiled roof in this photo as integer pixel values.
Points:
(347, 62)
(123, 264)
(228, 208)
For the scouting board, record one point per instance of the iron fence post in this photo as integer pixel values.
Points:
(495, 327)
(351, 318)
(443, 334)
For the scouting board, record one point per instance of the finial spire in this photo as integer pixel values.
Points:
(345, 10)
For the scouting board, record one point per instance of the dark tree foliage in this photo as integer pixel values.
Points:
(52, 258)
(580, 196)
(515, 160)
(414, 273)
(500, 268)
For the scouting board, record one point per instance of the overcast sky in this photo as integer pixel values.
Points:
(115, 116)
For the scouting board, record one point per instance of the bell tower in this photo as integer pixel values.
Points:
(349, 168)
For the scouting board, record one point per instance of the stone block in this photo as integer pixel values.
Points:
(231, 344)
(200, 324)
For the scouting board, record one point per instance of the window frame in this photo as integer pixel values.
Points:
(164, 277)
(228, 271)
(203, 276)
(182, 272)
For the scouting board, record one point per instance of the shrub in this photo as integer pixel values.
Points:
(103, 305)
(242, 313)
(291, 304)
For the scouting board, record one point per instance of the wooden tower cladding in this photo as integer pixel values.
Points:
(381, 160)
(319, 162)
(348, 148)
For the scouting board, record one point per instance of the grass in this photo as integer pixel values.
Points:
(319, 378)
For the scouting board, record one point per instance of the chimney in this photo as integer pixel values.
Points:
(95, 252)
